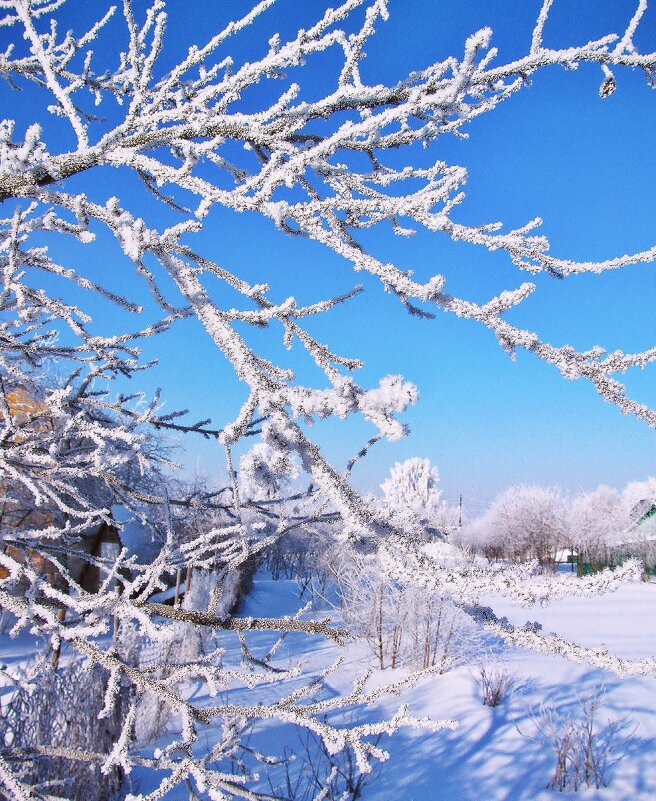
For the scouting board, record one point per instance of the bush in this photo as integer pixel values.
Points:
(584, 751)
(495, 684)
(402, 625)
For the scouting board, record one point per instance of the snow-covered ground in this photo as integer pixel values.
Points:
(491, 755)
(494, 754)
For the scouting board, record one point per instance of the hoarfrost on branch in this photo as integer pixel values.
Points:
(316, 168)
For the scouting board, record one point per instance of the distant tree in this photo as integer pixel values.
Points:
(264, 472)
(412, 486)
(595, 521)
(524, 522)
(137, 151)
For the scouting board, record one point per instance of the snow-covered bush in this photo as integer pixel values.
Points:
(312, 772)
(442, 635)
(403, 625)
(372, 606)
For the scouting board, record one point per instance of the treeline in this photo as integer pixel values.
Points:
(593, 529)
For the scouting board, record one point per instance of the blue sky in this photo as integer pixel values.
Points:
(586, 166)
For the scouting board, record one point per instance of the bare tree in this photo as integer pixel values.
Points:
(316, 167)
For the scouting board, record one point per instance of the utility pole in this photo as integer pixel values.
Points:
(460, 512)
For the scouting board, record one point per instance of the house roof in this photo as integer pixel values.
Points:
(643, 510)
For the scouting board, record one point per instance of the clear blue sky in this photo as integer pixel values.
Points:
(587, 166)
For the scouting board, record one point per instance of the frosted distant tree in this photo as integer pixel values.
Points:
(596, 520)
(412, 485)
(524, 522)
(326, 167)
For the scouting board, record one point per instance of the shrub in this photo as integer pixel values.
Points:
(495, 684)
(584, 750)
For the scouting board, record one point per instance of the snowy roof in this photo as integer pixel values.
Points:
(643, 510)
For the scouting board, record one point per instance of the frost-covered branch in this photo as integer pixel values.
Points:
(73, 448)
